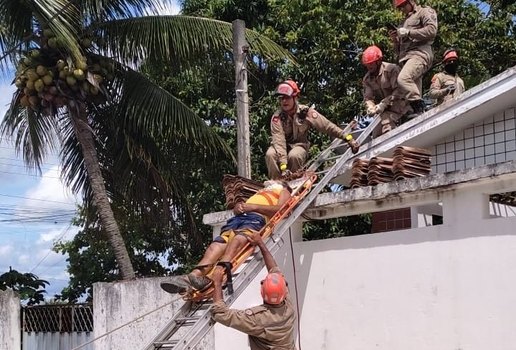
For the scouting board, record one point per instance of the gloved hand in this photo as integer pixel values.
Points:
(284, 170)
(286, 173)
(352, 143)
(380, 107)
(403, 32)
(450, 89)
(371, 110)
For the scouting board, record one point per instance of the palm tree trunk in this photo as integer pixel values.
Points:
(100, 198)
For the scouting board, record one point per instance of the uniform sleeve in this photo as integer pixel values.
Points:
(319, 122)
(435, 91)
(428, 29)
(368, 94)
(278, 138)
(242, 320)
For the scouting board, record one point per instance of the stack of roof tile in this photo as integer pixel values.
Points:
(359, 173)
(411, 162)
(379, 171)
(238, 189)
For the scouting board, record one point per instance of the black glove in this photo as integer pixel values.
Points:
(450, 89)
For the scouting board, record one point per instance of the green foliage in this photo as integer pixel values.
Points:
(27, 285)
(339, 227)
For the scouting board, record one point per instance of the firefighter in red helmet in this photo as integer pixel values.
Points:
(379, 84)
(270, 325)
(447, 84)
(413, 41)
(290, 125)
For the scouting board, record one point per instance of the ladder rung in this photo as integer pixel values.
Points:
(165, 344)
(187, 320)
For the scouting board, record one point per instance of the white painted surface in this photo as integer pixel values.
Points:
(128, 315)
(10, 332)
(449, 286)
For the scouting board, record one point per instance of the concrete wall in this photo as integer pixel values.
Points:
(10, 332)
(447, 286)
(128, 315)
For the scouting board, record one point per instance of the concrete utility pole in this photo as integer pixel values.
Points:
(240, 49)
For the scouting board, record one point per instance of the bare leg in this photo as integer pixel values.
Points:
(211, 256)
(233, 247)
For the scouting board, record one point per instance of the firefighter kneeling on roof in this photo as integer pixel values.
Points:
(380, 84)
(270, 325)
(249, 217)
(289, 130)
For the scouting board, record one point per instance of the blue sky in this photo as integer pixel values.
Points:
(35, 211)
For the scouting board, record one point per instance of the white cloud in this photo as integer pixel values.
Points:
(171, 9)
(51, 189)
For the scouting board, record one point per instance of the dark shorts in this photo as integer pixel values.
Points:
(242, 224)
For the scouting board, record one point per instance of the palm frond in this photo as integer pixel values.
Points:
(98, 11)
(32, 133)
(146, 106)
(175, 39)
(15, 29)
(64, 19)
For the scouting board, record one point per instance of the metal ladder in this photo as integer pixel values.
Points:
(193, 320)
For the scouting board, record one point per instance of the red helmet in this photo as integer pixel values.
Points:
(450, 55)
(288, 88)
(371, 55)
(399, 3)
(274, 288)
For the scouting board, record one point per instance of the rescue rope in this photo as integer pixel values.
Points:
(295, 288)
(126, 324)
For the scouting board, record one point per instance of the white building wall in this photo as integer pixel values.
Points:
(10, 332)
(448, 286)
(489, 141)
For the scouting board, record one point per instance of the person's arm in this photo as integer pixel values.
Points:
(267, 210)
(368, 94)
(216, 277)
(436, 90)
(278, 139)
(268, 259)
(319, 122)
(428, 30)
(238, 319)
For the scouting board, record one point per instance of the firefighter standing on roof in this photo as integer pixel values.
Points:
(289, 130)
(447, 84)
(413, 42)
(379, 84)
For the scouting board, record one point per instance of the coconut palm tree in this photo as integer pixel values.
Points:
(78, 60)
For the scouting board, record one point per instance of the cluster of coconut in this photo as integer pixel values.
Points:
(48, 80)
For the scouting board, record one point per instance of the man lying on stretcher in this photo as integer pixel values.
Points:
(249, 217)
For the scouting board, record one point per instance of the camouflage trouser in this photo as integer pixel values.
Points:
(410, 79)
(296, 159)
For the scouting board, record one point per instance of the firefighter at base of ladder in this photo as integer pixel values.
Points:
(270, 325)
(413, 43)
(379, 84)
(289, 130)
(447, 84)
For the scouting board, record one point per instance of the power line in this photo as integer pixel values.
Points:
(21, 160)
(50, 250)
(36, 199)
(32, 175)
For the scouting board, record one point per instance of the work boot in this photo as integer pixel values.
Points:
(177, 284)
(199, 283)
(418, 107)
